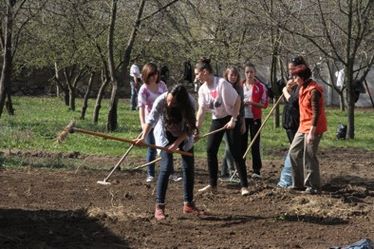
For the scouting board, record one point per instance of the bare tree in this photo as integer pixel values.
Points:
(6, 72)
(112, 114)
(86, 96)
(343, 33)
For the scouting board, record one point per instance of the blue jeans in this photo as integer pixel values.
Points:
(285, 179)
(134, 95)
(286, 174)
(151, 153)
(166, 168)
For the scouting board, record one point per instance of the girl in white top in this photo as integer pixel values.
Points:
(255, 99)
(221, 99)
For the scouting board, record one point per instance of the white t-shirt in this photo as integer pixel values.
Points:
(219, 98)
(134, 71)
(247, 92)
(339, 78)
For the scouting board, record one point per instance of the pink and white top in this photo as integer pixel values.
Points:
(219, 98)
(146, 97)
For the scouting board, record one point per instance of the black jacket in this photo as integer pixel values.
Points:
(291, 115)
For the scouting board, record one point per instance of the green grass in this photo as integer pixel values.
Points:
(38, 121)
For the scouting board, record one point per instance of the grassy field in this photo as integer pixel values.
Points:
(39, 120)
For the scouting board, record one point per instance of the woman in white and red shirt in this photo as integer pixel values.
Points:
(221, 99)
(255, 99)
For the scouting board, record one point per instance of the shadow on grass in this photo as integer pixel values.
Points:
(54, 229)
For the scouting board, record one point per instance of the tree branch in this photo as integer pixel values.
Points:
(157, 11)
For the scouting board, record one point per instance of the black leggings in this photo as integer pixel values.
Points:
(234, 144)
(252, 126)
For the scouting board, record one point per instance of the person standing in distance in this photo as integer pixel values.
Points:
(135, 82)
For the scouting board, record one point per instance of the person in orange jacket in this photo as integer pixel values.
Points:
(303, 150)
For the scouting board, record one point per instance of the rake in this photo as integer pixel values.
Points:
(105, 181)
(70, 128)
(262, 126)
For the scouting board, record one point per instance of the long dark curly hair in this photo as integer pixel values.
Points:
(182, 110)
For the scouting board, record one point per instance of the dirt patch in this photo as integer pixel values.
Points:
(49, 208)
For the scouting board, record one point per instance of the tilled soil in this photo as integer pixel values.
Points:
(55, 208)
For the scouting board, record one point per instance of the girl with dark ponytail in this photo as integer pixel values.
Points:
(173, 116)
(221, 99)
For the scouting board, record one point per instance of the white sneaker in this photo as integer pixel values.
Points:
(149, 179)
(244, 191)
(175, 178)
(208, 188)
(256, 176)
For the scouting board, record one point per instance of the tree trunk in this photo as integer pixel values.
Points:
(72, 83)
(67, 72)
(341, 101)
(66, 96)
(369, 93)
(128, 50)
(99, 99)
(72, 96)
(112, 114)
(8, 103)
(112, 123)
(350, 55)
(276, 115)
(60, 86)
(273, 80)
(6, 72)
(350, 100)
(86, 95)
(275, 43)
(57, 91)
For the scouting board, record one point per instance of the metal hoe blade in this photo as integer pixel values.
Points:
(103, 182)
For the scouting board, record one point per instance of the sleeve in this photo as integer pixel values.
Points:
(201, 98)
(142, 96)
(163, 86)
(156, 111)
(264, 97)
(316, 95)
(229, 95)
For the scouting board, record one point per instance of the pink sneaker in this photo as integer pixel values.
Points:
(160, 212)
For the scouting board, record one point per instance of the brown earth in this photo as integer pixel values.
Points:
(55, 208)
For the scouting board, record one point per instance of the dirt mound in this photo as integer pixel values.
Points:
(51, 208)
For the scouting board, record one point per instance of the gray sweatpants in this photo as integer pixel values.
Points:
(304, 157)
